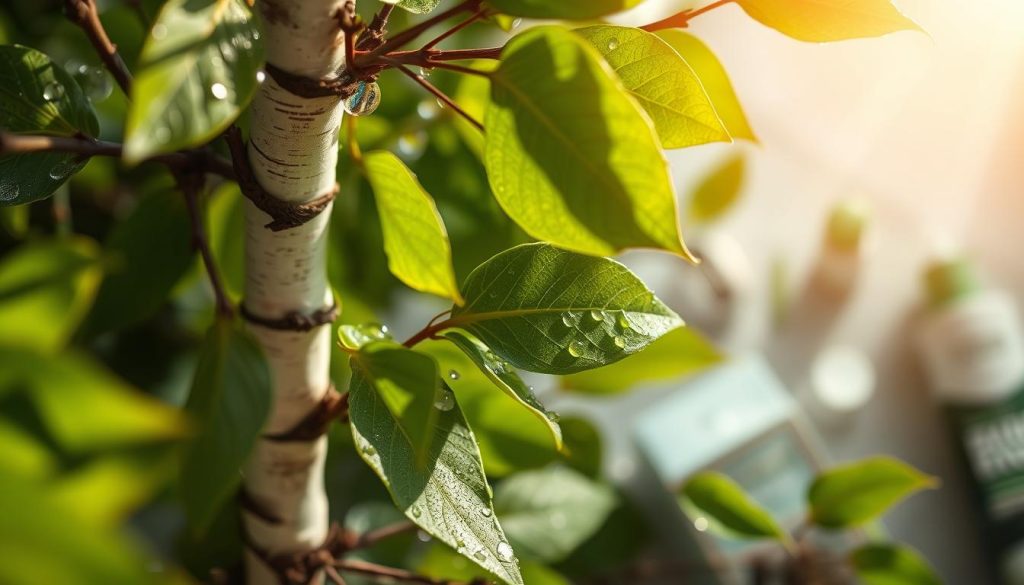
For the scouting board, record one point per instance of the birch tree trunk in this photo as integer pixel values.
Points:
(293, 151)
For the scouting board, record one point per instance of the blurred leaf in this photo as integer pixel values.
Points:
(829, 20)
(850, 495)
(45, 289)
(114, 486)
(473, 94)
(408, 384)
(548, 513)
(24, 455)
(442, 563)
(39, 97)
(583, 446)
(415, 239)
(713, 77)
(891, 564)
(662, 82)
(230, 398)
(197, 72)
(562, 9)
(418, 6)
(227, 235)
(547, 310)
(570, 155)
(679, 352)
(510, 437)
(729, 509)
(506, 379)
(151, 250)
(14, 221)
(448, 497)
(717, 192)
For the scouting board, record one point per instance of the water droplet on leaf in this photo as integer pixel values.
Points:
(53, 91)
(454, 375)
(552, 416)
(219, 91)
(613, 43)
(369, 450)
(575, 349)
(516, 23)
(480, 555)
(486, 512)
(504, 552)
(416, 513)
(364, 100)
(623, 322)
(9, 191)
(619, 342)
(424, 72)
(445, 400)
(260, 76)
(597, 315)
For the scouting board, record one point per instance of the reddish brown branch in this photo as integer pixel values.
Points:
(411, 33)
(85, 14)
(371, 538)
(190, 184)
(441, 37)
(440, 95)
(682, 19)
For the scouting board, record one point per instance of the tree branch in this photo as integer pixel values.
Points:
(411, 33)
(190, 184)
(85, 14)
(369, 539)
(440, 95)
(441, 37)
(682, 19)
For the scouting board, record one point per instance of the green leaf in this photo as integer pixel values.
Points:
(419, 6)
(230, 398)
(729, 508)
(473, 94)
(150, 250)
(662, 82)
(548, 310)
(891, 564)
(14, 221)
(571, 157)
(852, 494)
(448, 497)
(443, 564)
(39, 97)
(114, 486)
(583, 446)
(718, 191)
(409, 385)
(197, 72)
(678, 353)
(828, 20)
(714, 79)
(24, 455)
(415, 240)
(562, 9)
(506, 379)
(227, 235)
(45, 290)
(548, 513)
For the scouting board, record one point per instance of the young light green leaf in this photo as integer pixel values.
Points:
(562, 9)
(415, 240)
(150, 251)
(448, 497)
(409, 385)
(115, 485)
(501, 374)
(852, 494)
(571, 157)
(548, 310)
(197, 72)
(548, 513)
(829, 20)
(25, 455)
(418, 6)
(714, 79)
(729, 508)
(230, 400)
(473, 95)
(662, 82)
(38, 97)
(891, 564)
(718, 191)
(45, 290)
(678, 353)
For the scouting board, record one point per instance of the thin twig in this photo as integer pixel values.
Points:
(411, 33)
(440, 95)
(682, 19)
(373, 36)
(333, 575)
(351, 25)
(430, 331)
(429, 58)
(190, 185)
(441, 37)
(369, 539)
(461, 69)
(383, 572)
(85, 14)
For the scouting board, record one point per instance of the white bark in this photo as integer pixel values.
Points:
(293, 151)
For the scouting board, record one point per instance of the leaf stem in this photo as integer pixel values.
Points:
(461, 69)
(190, 185)
(372, 537)
(85, 14)
(353, 145)
(440, 95)
(682, 19)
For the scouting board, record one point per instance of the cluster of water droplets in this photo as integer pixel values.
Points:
(9, 191)
(619, 323)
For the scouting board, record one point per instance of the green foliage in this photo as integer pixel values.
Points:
(419, 6)
(728, 508)
(570, 155)
(662, 82)
(415, 239)
(548, 513)
(850, 495)
(582, 445)
(230, 400)
(718, 191)
(563, 9)
(679, 352)
(197, 71)
(829, 20)
(548, 310)
(38, 97)
(890, 564)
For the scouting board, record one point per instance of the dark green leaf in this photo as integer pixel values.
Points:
(663, 83)
(448, 497)
(548, 513)
(547, 310)
(506, 379)
(583, 446)
(197, 72)
(718, 191)
(227, 235)
(230, 400)
(562, 9)
(891, 564)
(38, 97)
(852, 494)
(571, 156)
(729, 509)
(679, 352)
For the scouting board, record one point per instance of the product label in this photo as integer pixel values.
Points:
(993, 438)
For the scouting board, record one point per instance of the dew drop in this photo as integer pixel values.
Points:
(504, 552)
(575, 349)
(486, 512)
(416, 513)
(53, 91)
(445, 400)
(619, 342)
(552, 416)
(517, 23)
(97, 84)
(364, 100)
(383, 331)
(64, 169)
(219, 91)
(425, 73)
(623, 322)
(480, 555)
(567, 319)
(440, 103)
(260, 76)
(369, 450)
(159, 31)
(613, 43)
(597, 315)
(422, 536)
(452, 374)
(9, 191)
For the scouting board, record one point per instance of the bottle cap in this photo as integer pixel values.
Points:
(847, 224)
(949, 279)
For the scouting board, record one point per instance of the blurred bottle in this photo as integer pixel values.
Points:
(972, 346)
